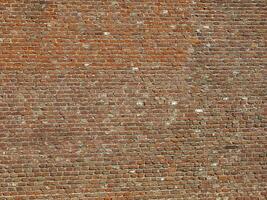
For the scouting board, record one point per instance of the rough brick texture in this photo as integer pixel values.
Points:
(133, 99)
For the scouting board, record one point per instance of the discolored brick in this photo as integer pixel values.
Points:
(133, 99)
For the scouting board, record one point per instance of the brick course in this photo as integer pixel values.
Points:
(132, 99)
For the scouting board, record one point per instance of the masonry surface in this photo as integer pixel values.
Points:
(133, 99)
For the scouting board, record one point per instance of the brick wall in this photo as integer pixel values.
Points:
(133, 99)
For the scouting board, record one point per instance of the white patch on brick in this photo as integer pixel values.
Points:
(197, 131)
(206, 26)
(135, 68)
(116, 167)
(235, 72)
(1, 40)
(225, 98)
(208, 45)
(244, 98)
(140, 103)
(106, 33)
(165, 12)
(84, 121)
(214, 164)
(174, 103)
(86, 46)
(168, 123)
(199, 110)
(86, 64)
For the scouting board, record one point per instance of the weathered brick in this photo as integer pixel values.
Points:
(133, 99)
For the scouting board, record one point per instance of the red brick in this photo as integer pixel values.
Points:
(132, 99)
